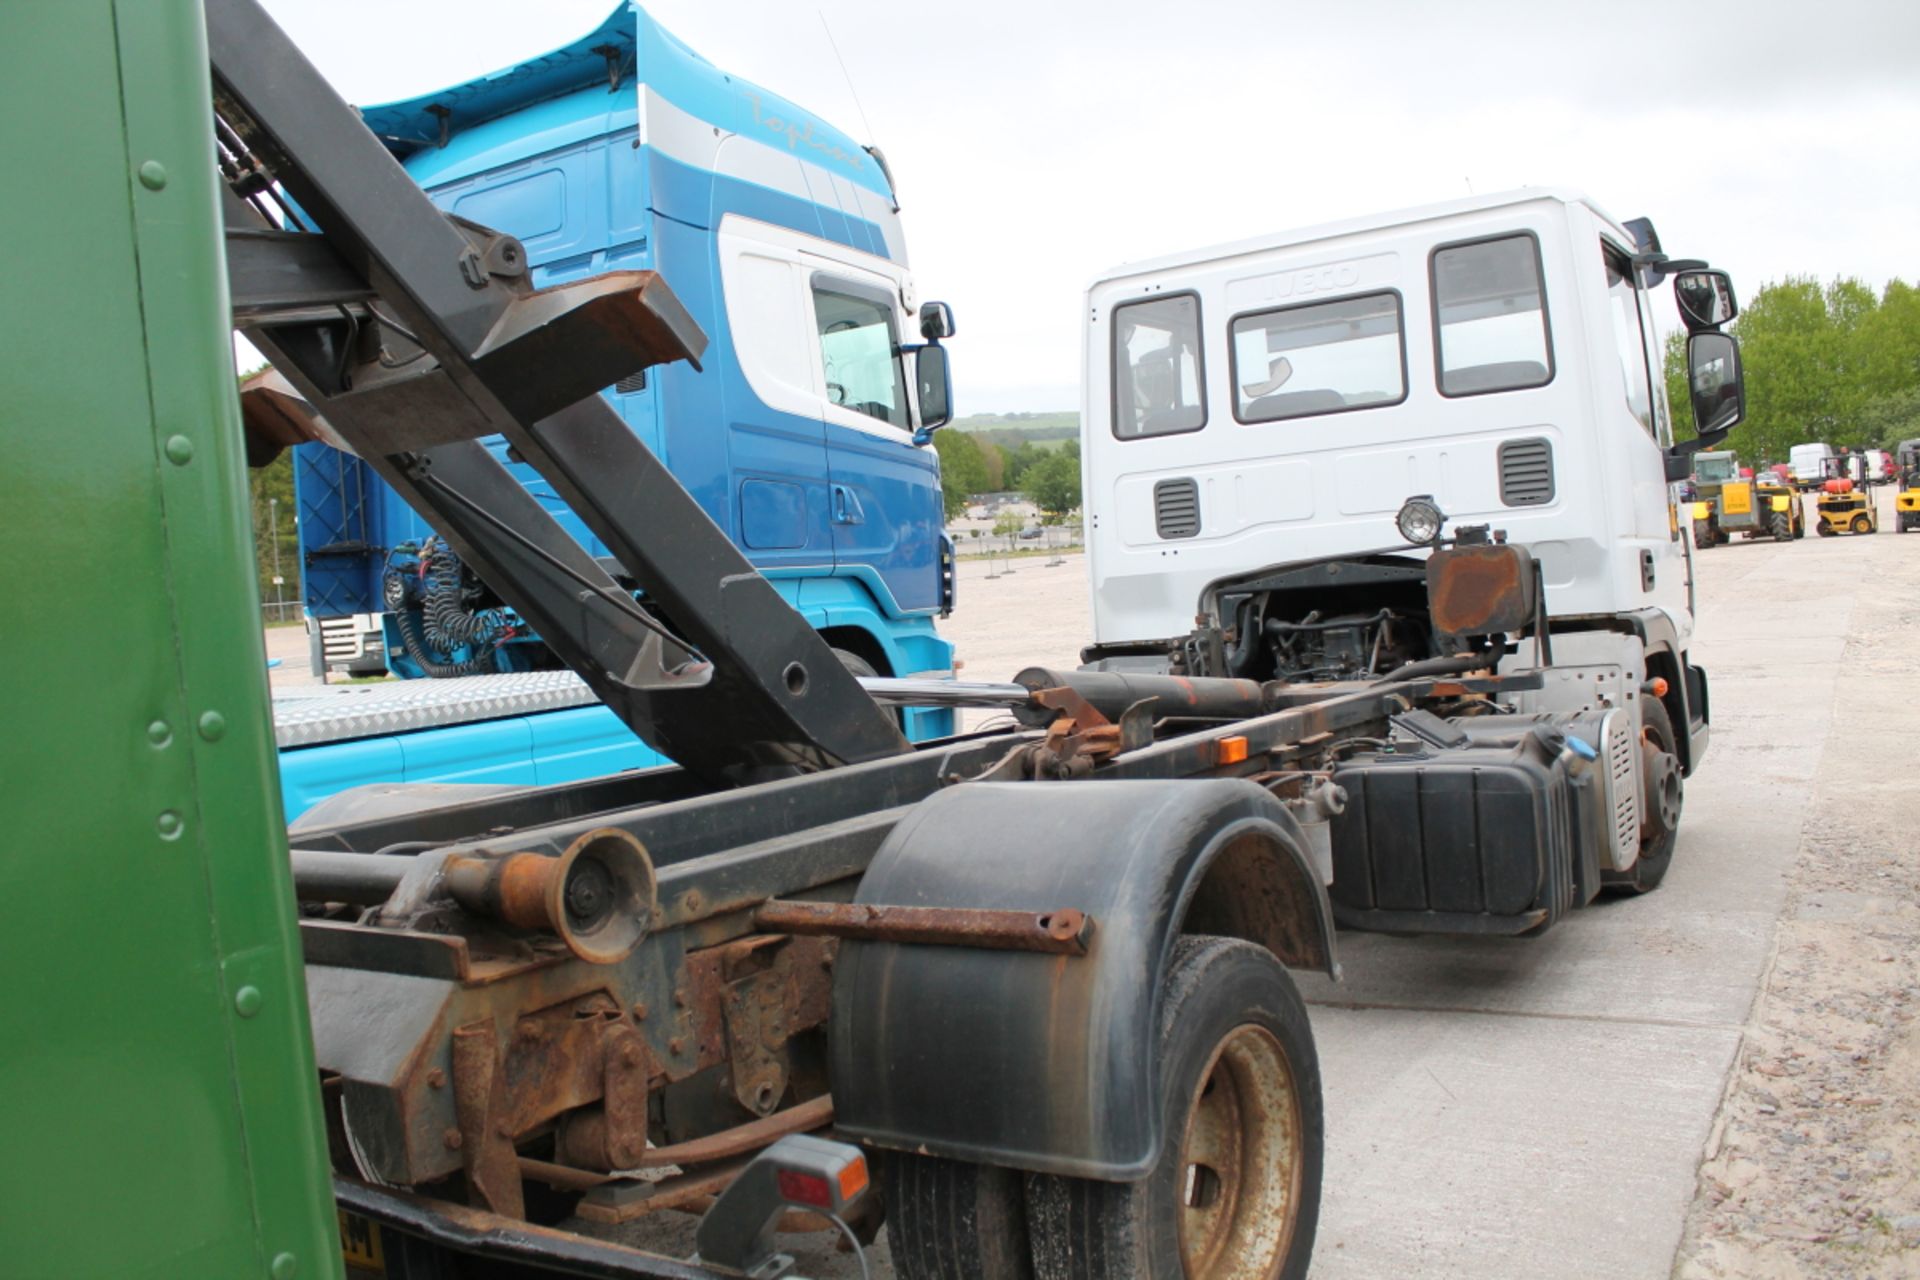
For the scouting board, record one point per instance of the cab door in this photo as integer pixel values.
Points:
(775, 444)
(1655, 529)
(884, 492)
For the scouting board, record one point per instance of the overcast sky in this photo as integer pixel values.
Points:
(1036, 144)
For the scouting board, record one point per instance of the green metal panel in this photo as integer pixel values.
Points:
(158, 1102)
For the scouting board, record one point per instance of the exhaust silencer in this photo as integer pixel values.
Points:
(598, 897)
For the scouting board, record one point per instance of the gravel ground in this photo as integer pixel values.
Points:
(1813, 1167)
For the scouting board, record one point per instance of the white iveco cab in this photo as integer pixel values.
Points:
(1259, 416)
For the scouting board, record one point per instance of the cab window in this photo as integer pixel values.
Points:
(1715, 466)
(860, 353)
(1158, 383)
(1323, 357)
(1490, 316)
(1628, 338)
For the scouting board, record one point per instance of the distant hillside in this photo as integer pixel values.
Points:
(1010, 430)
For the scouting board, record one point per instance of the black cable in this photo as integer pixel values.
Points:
(404, 332)
(396, 326)
(409, 846)
(1456, 665)
(341, 374)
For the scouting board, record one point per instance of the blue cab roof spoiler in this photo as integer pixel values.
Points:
(611, 55)
(604, 55)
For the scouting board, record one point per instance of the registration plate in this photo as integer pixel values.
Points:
(360, 1245)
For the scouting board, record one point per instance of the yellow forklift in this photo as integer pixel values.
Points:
(1845, 504)
(1726, 503)
(1906, 501)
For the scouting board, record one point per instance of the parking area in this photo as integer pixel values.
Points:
(1502, 1108)
(1520, 1108)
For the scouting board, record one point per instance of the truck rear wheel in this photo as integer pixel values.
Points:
(954, 1220)
(1236, 1189)
(1780, 527)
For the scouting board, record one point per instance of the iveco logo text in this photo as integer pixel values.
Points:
(1341, 275)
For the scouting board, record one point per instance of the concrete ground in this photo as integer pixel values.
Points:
(1540, 1108)
(1536, 1108)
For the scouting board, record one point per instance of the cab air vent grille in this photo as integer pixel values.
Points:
(631, 383)
(1526, 472)
(1176, 508)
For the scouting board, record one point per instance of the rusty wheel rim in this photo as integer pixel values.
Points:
(1240, 1157)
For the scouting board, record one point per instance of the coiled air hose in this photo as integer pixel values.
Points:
(443, 622)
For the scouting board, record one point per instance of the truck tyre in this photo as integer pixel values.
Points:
(1702, 536)
(1862, 525)
(859, 668)
(856, 665)
(954, 1220)
(1236, 1188)
(1661, 797)
(1824, 529)
(1780, 526)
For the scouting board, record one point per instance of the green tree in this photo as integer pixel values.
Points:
(1053, 484)
(1888, 419)
(1823, 363)
(962, 471)
(1023, 459)
(994, 459)
(270, 503)
(270, 490)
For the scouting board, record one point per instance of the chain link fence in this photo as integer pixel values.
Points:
(1052, 539)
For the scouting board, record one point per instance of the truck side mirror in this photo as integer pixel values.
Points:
(1705, 299)
(1719, 397)
(1719, 390)
(936, 321)
(935, 380)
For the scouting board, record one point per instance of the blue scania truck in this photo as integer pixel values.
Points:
(801, 434)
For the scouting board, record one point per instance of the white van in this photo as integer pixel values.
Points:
(1806, 461)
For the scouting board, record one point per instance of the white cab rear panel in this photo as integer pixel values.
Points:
(1329, 483)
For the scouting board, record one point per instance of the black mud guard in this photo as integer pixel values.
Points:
(1045, 1062)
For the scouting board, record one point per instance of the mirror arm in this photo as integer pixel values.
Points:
(1687, 448)
(1656, 267)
